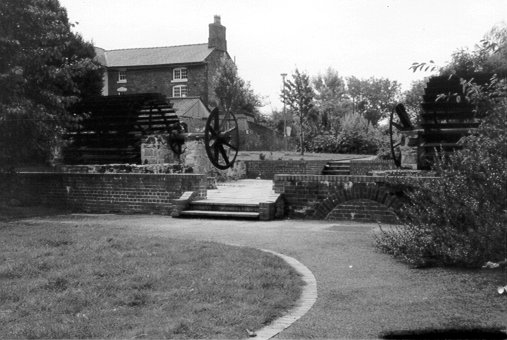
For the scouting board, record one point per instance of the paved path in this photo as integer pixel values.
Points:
(361, 292)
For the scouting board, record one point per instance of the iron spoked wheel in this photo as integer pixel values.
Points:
(221, 139)
(395, 138)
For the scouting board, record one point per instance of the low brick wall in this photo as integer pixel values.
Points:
(323, 197)
(102, 193)
(267, 169)
(365, 167)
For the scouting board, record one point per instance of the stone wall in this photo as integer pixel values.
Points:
(266, 169)
(355, 198)
(102, 193)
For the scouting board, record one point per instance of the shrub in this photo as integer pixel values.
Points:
(459, 217)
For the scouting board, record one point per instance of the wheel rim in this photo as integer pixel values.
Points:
(394, 142)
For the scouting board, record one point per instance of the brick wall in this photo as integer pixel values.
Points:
(101, 193)
(318, 197)
(266, 169)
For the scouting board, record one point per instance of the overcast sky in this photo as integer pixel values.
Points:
(363, 38)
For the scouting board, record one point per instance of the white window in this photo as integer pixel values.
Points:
(122, 76)
(180, 74)
(180, 91)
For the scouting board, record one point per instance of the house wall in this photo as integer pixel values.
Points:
(159, 79)
(102, 193)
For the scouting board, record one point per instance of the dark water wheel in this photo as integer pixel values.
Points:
(176, 139)
(221, 139)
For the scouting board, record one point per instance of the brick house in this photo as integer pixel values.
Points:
(184, 74)
(178, 72)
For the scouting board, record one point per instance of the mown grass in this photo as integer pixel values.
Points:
(62, 281)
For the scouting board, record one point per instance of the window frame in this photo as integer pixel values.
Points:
(122, 76)
(177, 74)
(179, 88)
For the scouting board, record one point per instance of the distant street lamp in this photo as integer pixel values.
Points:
(284, 118)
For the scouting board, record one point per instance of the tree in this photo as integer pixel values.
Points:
(413, 98)
(233, 93)
(331, 99)
(44, 69)
(373, 97)
(299, 96)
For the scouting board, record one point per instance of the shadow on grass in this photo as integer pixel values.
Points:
(11, 213)
(452, 333)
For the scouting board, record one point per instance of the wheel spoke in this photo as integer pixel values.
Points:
(230, 130)
(234, 147)
(224, 154)
(396, 144)
(212, 131)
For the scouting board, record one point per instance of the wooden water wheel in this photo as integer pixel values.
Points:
(446, 116)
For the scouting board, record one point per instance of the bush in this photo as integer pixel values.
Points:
(356, 135)
(459, 218)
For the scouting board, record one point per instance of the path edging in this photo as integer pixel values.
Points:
(303, 305)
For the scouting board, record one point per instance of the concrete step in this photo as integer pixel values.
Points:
(220, 214)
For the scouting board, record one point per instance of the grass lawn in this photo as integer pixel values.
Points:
(91, 281)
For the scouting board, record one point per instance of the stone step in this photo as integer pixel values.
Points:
(337, 168)
(220, 214)
(336, 172)
(220, 206)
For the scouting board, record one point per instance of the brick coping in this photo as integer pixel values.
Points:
(103, 174)
(342, 178)
(302, 306)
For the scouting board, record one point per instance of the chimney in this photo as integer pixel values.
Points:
(217, 35)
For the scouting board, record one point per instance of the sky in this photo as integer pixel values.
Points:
(362, 38)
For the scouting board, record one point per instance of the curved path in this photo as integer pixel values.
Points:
(361, 292)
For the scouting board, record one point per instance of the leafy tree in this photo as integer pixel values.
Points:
(331, 99)
(299, 96)
(233, 93)
(412, 99)
(373, 97)
(44, 68)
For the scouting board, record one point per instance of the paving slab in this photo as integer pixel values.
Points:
(246, 191)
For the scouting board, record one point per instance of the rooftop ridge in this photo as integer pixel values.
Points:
(147, 48)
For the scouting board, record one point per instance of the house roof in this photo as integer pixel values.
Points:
(154, 55)
(190, 107)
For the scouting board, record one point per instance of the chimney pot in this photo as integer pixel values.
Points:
(217, 19)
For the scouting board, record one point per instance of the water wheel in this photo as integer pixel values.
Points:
(221, 139)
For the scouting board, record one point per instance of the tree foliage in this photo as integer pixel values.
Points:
(331, 99)
(44, 68)
(299, 96)
(373, 97)
(233, 93)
